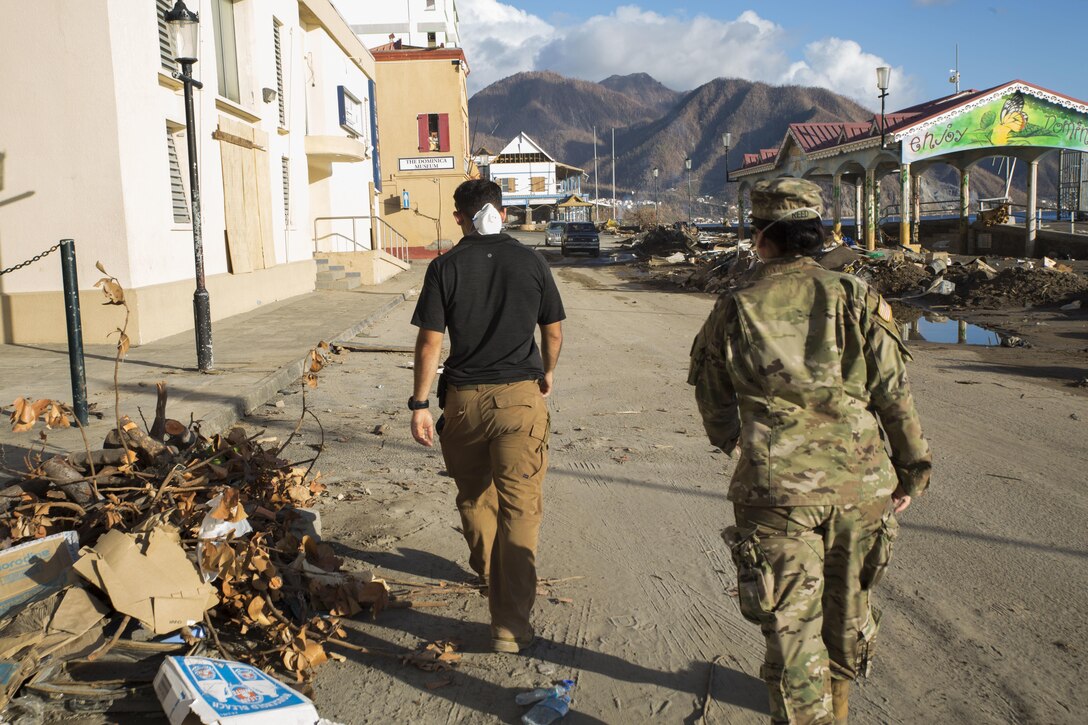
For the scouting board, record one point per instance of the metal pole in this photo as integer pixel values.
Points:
(202, 313)
(689, 196)
(596, 196)
(613, 173)
(76, 365)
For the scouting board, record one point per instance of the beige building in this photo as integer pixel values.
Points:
(94, 148)
(424, 144)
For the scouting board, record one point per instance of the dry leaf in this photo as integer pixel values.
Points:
(122, 343)
(112, 290)
(100, 268)
(436, 684)
(23, 416)
(55, 417)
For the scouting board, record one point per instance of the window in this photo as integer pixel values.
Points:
(166, 45)
(226, 49)
(434, 132)
(430, 5)
(285, 170)
(536, 184)
(507, 184)
(177, 184)
(279, 73)
(432, 40)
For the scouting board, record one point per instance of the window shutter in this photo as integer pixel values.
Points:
(443, 132)
(279, 74)
(285, 169)
(166, 46)
(177, 187)
(424, 137)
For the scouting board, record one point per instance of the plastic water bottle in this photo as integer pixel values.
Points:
(543, 693)
(548, 710)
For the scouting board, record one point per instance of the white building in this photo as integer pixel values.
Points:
(94, 146)
(533, 180)
(420, 23)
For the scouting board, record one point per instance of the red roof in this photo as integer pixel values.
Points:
(396, 50)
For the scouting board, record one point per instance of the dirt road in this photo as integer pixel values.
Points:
(985, 615)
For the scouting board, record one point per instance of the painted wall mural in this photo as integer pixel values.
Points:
(1013, 119)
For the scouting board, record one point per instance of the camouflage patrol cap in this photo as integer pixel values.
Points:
(786, 199)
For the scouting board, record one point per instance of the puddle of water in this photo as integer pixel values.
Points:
(955, 332)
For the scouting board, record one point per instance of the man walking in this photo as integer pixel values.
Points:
(491, 292)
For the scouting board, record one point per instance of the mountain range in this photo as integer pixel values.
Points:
(657, 127)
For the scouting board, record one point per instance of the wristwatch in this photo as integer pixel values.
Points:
(414, 404)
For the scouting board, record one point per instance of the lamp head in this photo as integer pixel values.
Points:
(687, 163)
(883, 75)
(184, 25)
(727, 139)
(655, 172)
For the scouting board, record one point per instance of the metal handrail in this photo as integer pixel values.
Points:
(387, 238)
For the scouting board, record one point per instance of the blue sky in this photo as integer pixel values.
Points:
(834, 44)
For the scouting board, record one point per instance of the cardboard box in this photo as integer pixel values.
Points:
(220, 692)
(148, 577)
(35, 570)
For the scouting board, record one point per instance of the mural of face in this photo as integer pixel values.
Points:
(1013, 119)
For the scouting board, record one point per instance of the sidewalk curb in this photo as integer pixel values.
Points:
(267, 387)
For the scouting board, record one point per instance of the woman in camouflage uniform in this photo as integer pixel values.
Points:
(803, 370)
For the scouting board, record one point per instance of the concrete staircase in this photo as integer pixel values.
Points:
(335, 276)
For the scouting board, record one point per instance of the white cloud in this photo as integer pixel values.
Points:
(845, 68)
(499, 40)
(680, 51)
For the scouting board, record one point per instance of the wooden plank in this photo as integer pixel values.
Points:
(264, 243)
(234, 200)
(252, 211)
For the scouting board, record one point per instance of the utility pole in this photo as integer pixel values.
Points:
(596, 196)
(614, 200)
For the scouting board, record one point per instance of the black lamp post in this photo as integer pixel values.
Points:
(656, 207)
(883, 75)
(727, 141)
(185, 32)
(687, 165)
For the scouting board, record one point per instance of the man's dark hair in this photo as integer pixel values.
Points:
(805, 236)
(471, 196)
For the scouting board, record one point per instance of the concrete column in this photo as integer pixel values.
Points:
(741, 211)
(965, 208)
(904, 204)
(836, 201)
(1029, 223)
(870, 208)
(859, 213)
(916, 208)
(961, 333)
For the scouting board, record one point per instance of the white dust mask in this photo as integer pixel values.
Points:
(487, 220)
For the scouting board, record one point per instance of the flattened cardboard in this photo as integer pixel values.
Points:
(34, 570)
(221, 692)
(159, 585)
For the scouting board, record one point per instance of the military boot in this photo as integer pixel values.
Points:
(840, 700)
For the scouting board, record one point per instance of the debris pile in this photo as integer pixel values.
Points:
(1016, 286)
(895, 273)
(164, 541)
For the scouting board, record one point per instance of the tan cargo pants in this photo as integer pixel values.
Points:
(805, 574)
(495, 444)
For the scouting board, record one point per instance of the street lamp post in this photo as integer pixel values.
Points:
(687, 165)
(184, 27)
(657, 209)
(883, 75)
(727, 141)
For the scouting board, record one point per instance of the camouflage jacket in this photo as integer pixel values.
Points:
(803, 367)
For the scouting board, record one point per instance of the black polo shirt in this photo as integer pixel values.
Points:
(490, 292)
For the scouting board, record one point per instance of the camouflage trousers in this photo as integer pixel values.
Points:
(804, 574)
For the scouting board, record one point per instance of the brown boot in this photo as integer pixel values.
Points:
(840, 700)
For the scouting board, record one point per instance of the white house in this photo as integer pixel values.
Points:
(419, 23)
(94, 146)
(533, 180)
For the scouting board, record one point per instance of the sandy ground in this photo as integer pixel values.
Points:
(985, 615)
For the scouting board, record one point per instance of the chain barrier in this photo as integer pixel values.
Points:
(31, 261)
